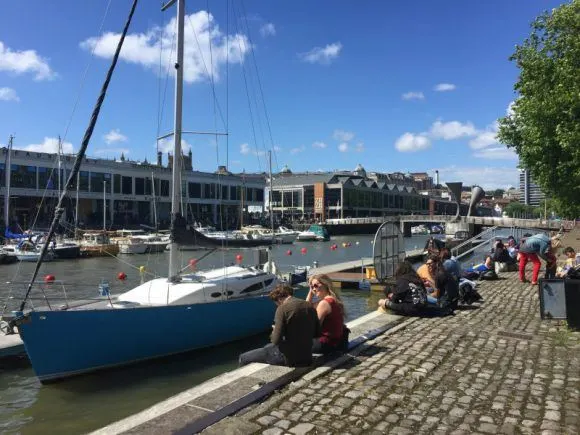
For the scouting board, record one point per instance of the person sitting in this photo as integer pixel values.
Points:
(512, 247)
(409, 296)
(433, 245)
(295, 326)
(450, 264)
(482, 267)
(562, 272)
(533, 247)
(501, 258)
(330, 311)
(428, 271)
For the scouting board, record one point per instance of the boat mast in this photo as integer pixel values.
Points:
(77, 206)
(174, 266)
(7, 172)
(104, 206)
(270, 196)
(154, 203)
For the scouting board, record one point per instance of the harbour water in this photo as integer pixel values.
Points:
(89, 402)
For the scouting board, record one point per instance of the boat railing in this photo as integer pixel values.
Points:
(474, 243)
(54, 295)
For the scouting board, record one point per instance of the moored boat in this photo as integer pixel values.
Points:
(314, 233)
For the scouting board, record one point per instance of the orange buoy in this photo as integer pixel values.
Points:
(192, 263)
(49, 278)
(122, 276)
(303, 251)
(288, 252)
(239, 258)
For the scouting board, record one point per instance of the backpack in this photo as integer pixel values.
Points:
(418, 294)
(488, 275)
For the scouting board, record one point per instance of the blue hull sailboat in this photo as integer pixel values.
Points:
(160, 317)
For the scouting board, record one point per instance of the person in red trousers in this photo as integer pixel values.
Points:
(538, 245)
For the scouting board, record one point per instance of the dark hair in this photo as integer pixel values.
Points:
(403, 269)
(527, 235)
(281, 291)
(445, 254)
(569, 250)
(500, 245)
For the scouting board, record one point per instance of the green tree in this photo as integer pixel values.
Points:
(543, 125)
(518, 210)
(498, 193)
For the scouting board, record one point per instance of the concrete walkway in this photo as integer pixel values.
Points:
(497, 368)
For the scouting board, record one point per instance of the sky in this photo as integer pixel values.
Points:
(408, 86)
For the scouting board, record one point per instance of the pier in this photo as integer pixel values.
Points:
(495, 367)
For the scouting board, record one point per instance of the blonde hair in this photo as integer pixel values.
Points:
(556, 242)
(327, 283)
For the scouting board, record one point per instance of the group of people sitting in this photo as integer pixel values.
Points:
(435, 289)
(303, 327)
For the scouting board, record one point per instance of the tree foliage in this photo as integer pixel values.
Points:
(543, 125)
(518, 210)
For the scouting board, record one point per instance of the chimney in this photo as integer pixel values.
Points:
(436, 178)
(159, 158)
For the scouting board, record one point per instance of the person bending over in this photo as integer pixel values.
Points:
(330, 311)
(295, 326)
(538, 245)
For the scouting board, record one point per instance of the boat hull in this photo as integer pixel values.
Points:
(67, 252)
(66, 343)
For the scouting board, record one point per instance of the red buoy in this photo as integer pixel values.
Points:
(288, 252)
(49, 278)
(239, 258)
(122, 276)
(303, 251)
(192, 263)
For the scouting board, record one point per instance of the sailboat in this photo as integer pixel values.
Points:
(161, 317)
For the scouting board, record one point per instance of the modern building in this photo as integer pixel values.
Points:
(530, 192)
(134, 192)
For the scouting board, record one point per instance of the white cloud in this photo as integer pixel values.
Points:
(200, 29)
(510, 109)
(268, 29)
(245, 148)
(360, 147)
(343, 136)
(27, 61)
(499, 152)
(452, 130)
(319, 145)
(487, 177)
(322, 55)
(115, 136)
(483, 139)
(410, 142)
(343, 147)
(166, 145)
(444, 87)
(8, 94)
(298, 150)
(411, 95)
(50, 145)
(277, 148)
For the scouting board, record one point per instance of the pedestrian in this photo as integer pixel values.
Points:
(538, 245)
(295, 327)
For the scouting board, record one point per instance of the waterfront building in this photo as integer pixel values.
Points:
(134, 192)
(530, 192)
(343, 194)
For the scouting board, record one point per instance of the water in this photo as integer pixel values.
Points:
(89, 402)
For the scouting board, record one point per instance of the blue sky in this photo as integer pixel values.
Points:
(395, 86)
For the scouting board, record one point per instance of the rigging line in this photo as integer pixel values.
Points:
(227, 83)
(247, 93)
(203, 62)
(212, 80)
(261, 89)
(168, 69)
(254, 93)
(81, 153)
(85, 73)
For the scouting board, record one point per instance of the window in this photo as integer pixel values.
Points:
(23, 176)
(225, 192)
(164, 188)
(84, 181)
(98, 181)
(194, 190)
(116, 183)
(139, 186)
(47, 178)
(127, 185)
(260, 196)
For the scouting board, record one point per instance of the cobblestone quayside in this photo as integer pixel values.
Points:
(497, 368)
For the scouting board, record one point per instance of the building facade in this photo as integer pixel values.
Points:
(133, 192)
(530, 192)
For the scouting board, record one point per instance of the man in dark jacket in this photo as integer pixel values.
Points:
(295, 326)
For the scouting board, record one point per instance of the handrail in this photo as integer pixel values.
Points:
(455, 249)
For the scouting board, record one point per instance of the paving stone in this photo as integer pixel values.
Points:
(302, 428)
